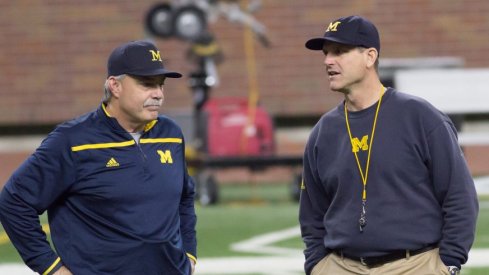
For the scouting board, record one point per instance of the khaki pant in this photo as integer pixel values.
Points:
(427, 263)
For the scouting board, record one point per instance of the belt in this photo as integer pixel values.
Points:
(380, 260)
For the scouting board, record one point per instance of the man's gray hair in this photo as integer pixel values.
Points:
(107, 92)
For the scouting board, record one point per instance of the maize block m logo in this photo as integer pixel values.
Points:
(357, 144)
(333, 26)
(155, 55)
(165, 157)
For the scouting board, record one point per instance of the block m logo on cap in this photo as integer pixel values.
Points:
(155, 55)
(333, 26)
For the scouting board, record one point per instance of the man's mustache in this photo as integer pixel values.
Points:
(153, 102)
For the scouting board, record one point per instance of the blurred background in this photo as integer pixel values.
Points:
(250, 94)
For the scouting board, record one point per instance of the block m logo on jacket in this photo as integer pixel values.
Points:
(165, 157)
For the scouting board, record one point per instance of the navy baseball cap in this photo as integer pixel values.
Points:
(351, 30)
(138, 58)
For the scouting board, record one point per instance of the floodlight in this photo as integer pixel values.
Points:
(159, 20)
(189, 22)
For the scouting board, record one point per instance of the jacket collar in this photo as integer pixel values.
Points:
(102, 111)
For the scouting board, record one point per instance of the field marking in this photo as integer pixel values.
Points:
(478, 258)
(15, 269)
(482, 185)
(262, 243)
(269, 265)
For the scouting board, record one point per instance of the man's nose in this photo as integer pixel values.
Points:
(157, 92)
(328, 59)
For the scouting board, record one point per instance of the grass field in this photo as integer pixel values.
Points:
(246, 211)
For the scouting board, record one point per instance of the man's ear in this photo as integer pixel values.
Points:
(372, 55)
(114, 86)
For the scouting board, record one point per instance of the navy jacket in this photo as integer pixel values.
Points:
(114, 206)
(419, 188)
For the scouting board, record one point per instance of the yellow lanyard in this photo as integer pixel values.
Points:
(364, 176)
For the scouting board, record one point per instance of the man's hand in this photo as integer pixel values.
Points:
(63, 271)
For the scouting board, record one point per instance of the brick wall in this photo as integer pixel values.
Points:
(53, 53)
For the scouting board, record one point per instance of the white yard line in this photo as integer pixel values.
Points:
(15, 269)
(478, 258)
(482, 185)
(262, 243)
(245, 265)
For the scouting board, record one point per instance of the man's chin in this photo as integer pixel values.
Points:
(335, 88)
(151, 115)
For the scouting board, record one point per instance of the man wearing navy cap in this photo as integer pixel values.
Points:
(386, 188)
(113, 182)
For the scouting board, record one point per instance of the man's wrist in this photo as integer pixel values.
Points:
(453, 270)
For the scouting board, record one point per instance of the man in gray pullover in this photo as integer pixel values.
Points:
(386, 188)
